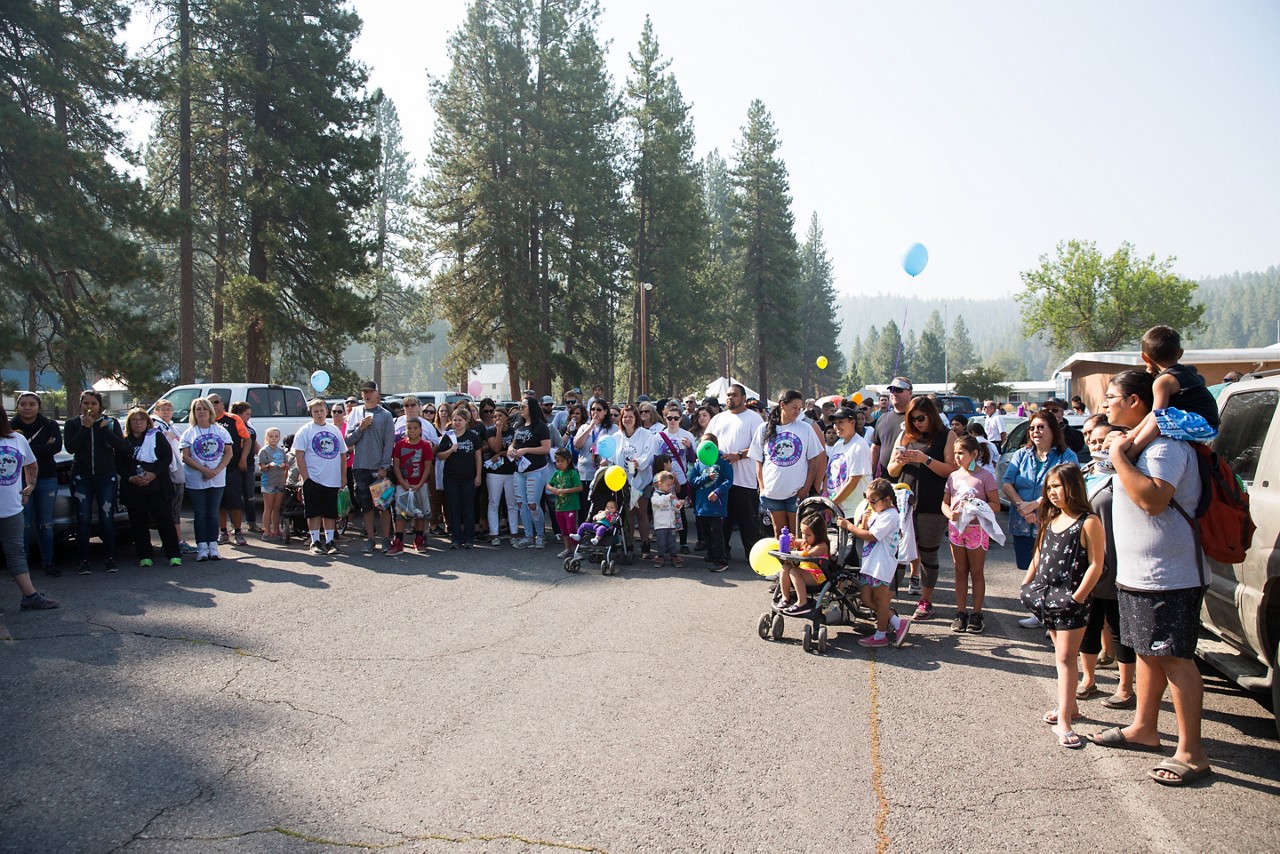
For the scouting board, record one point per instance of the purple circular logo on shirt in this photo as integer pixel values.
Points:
(325, 445)
(207, 447)
(785, 449)
(10, 465)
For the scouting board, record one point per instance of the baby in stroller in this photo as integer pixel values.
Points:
(602, 524)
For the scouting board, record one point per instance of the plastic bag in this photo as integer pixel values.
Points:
(344, 502)
(407, 504)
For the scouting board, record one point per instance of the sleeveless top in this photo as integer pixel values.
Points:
(927, 486)
(1063, 557)
(1193, 395)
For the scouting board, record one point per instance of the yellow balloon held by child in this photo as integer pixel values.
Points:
(763, 563)
(822, 363)
(615, 478)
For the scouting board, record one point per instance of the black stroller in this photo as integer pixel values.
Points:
(839, 601)
(614, 547)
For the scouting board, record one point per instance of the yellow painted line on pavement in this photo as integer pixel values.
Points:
(877, 770)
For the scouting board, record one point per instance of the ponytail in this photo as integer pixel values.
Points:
(775, 417)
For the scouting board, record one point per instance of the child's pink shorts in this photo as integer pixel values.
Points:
(972, 537)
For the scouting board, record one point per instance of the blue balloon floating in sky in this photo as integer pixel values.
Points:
(916, 259)
(320, 381)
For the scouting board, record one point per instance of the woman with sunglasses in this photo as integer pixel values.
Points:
(678, 443)
(599, 424)
(531, 450)
(634, 450)
(1044, 448)
(45, 438)
(923, 458)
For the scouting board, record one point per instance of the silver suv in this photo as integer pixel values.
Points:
(1241, 614)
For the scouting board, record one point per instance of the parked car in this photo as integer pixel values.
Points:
(282, 406)
(1240, 617)
(955, 404)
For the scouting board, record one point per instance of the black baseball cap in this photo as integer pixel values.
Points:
(369, 385)
(843, 412)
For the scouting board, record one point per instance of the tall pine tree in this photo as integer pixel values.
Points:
(764, 231)
(816, 309)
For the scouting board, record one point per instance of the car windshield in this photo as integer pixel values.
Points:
(181, 399)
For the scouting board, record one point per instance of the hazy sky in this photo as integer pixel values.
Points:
(989, 131)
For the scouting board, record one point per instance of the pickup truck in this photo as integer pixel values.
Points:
(1240, 618)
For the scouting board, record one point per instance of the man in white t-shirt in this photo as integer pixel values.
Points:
(734, 428)
(848, 463)
(993, 423)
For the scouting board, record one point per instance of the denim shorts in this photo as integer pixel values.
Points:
(272, 490)
(780, 505)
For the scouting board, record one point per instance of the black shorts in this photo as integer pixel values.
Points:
(362, 479)
(233, 494)
(1161, 622)
(321, 501)
(1056, 607)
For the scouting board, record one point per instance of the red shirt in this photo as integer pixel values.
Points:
(413, 460)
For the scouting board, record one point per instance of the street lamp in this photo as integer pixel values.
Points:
(645, 287)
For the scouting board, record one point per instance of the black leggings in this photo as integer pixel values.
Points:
(1107, 610)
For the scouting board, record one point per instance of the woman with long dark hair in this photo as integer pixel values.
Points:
(1044, 448)
(531, 450)
(634, 451)
(146, 488)
(45, 438)
(923, 459)
(790, 458)
(96, 440)
(17, 464)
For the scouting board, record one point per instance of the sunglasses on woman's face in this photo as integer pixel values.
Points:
(597, 409)
(428, 412)
(673, 417)
(916, 419)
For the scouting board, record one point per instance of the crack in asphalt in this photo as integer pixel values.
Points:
(404, 839)
(226, 689)
(201, 792)
(197, 641)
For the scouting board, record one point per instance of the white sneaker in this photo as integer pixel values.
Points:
(202, 552)
(213, 552)
(1032, 622)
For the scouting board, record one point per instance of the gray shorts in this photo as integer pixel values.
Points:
(11, 544)
(1161, 622)
(175, 505)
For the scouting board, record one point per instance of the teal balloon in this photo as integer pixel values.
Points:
(916, 259)
(320, 381)
(708, 453)
(606, 446)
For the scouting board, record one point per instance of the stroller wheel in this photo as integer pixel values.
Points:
(822, 640)
(609, 567)
(779, 623)
(763, 625)
(806, 640)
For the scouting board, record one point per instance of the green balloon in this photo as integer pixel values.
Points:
(708, 453)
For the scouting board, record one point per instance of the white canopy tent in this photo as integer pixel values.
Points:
(720, 387)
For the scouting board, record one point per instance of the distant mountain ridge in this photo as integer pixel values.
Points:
(1241, 310)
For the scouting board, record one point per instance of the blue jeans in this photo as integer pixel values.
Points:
(529, 486)
(37, 515)
(89, 491)
(204, 503)
(1023, 548)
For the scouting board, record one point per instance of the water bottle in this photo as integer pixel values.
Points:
(784, 540)
(139, 471)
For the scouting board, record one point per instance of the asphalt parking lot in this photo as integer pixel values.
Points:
(487, 700)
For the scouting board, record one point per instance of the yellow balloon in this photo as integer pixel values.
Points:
(763, 563)
(615, 478)
(822, 363)
(857, 397)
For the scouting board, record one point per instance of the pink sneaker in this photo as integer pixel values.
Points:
(900, 634)
(872, 642)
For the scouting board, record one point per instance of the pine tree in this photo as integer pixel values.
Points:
(816, 307)
(71, 268)
(725, 326)
(668, 220)
(764, 229)
(929, 364)
(886, 358)
(962, 355)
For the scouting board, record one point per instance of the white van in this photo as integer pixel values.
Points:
(282, 406)
(435, 398)
(1241, 612)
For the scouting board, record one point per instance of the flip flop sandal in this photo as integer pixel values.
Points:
(1130, 702)
(1070, 739)
(1051, 717)
(1114, 738)
(1184, 774)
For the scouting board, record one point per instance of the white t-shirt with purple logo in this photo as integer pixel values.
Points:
(785, 458)
(207, 445)
(322, 448)
(14, 454)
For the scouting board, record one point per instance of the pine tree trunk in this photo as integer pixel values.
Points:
(186, 250)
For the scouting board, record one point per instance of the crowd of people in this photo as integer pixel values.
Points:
(1094, 515)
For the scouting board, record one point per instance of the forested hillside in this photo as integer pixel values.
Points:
(1241, 310)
